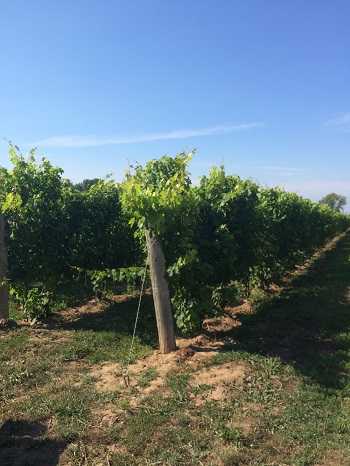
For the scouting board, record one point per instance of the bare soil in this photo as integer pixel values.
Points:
(192, 352)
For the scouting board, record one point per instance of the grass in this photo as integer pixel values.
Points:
(291, 406)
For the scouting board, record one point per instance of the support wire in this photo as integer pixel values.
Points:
(126, 376)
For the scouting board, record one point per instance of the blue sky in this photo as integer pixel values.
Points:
(262, 86)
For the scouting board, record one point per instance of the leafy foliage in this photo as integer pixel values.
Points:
(225, 231)
(130, 277)
(34, 302)
(98, 233)
(53, 228)
(32, 204)
(159, 196)
(219, 236)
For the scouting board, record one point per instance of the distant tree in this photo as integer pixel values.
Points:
(334, 201)
(66, 183)
(85, 185)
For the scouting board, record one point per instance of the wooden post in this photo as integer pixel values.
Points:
(4, 294)
(160, 291)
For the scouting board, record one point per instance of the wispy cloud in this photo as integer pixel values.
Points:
(285, 172)
(341, 123)
(89, 141)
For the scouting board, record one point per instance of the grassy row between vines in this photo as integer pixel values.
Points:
(289, 407)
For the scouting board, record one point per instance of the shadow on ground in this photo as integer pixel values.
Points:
(120, 317)
(307, 324)
(23, 443)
